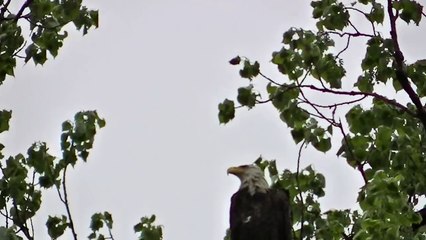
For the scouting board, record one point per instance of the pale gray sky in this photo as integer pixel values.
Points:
(156, 70)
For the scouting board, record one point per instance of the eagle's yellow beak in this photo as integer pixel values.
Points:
(237, 171)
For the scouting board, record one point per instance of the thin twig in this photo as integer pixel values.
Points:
(360, 166)
(67, 204)
(333, 106)
(22, 9)
(110, 234)
(324, 89)
(269, 79)
(320, 114)
(32, 226)
(366, 16)
(19, 50)
(4, 9)
(355, 34)
(356, 10)
(302, 216)
(6, 215)
(264, 101)
(32, 195)
(355, 93)
(345, 48)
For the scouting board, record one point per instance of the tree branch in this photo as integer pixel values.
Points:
(355, 34)
(366, 16)
(22, 9)
(269, 79)
(345, 48)
(67, 204)
(360, 166)
(302, 216)
(4, 9)
(21, 224)
(401, 75)
(355, 93)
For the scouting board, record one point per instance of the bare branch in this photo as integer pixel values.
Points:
(302, 218)
(319, 113)
(324, 89)
(22, 9)
(365, 15)
(355, 93)
(269, 79)
(333, 106)
(4, 9)
(346, 47)
(355, 34)
(67, 205)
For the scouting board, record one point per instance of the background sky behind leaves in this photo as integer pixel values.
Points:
(156, 70)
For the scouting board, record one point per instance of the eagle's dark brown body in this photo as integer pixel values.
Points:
(260, 216)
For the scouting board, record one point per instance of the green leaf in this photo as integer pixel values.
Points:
(383, 138)
(235, 61)
(148, 230)
(4, 120)
(377, 13)
(323, 145)
(108, 219)
(330, 129)
(365, 84)
(331, 14)
(359, 120)
(92, 235)
(293, 115)
(56, 226)
(288, 36)
(226, 111)
(282, 96)
(8, 234)
(250, 70)
(40, 57)
(410, 10)
(30, 51)
(96, 223)
(246, 96)
(298, 134)
(67, 126)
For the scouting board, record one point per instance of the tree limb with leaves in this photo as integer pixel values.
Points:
(382, 138)
(25, 177)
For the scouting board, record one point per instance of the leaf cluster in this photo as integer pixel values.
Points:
(46, 20)
(25, 176)
(381, 138)
(99, 221)
(147, 229)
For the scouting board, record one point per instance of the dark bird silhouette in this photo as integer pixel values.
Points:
(257, 211)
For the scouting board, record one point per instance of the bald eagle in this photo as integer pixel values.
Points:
(257, 211)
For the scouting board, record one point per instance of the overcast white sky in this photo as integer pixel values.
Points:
(156, 70)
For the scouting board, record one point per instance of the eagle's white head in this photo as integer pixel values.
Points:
(251, 177)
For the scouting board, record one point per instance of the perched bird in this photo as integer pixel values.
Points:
(257, 211)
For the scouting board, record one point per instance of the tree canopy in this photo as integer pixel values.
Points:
(379, 136)
(33, 31)
(380, 133)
